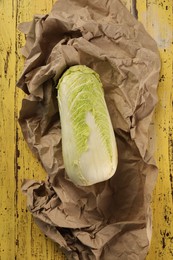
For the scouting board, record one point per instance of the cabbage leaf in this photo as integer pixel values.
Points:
(88, 141)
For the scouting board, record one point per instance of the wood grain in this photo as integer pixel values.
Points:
(20, 238)
(162, 31)
(7, 132)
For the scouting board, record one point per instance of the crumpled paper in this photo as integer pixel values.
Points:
(110, 220)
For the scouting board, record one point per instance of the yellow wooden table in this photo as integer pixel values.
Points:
(20, 238)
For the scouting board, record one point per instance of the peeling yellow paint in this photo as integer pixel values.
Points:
(19, 236)
(160, 26)
(160, 29)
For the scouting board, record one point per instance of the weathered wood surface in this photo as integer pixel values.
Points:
(19, 237)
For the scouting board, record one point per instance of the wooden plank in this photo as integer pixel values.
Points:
(160, 26)
(141, 7)
(31, 244)
(7, 133)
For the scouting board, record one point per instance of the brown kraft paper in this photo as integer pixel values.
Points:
(110, 220)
